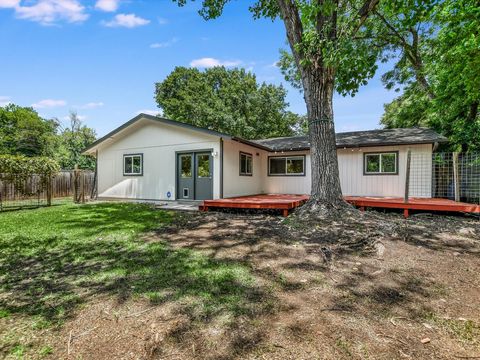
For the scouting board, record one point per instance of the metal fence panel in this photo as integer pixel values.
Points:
(15, 194)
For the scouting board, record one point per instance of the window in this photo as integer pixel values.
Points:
(246, 164)
(133, 164)
(186, 166)
(203, 166)
(286, 166)
(381, 163)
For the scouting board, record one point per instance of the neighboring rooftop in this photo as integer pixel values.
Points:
(380, 137)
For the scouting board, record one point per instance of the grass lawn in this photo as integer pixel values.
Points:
(114, 280)
(54, 260)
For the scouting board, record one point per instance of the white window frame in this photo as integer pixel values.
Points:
(247, 156)
(132, 156)
(380, 155)
(293, 157)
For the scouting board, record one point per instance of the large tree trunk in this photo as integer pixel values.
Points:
(319, 87)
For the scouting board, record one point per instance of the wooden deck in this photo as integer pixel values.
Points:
(287, 202)
(283, 202)
(427, 204)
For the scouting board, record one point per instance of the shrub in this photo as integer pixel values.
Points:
(18, 169)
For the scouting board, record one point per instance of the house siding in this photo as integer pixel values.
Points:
(289, 184)
(353, 180)
(355, 183)
(235, 184)
(158, 143)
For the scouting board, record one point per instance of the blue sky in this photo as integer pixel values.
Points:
(102, 58)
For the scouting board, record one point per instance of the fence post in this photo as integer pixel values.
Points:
(75, 184)
(82, 186)
(49, 190)
(407, 176)
(456, 178)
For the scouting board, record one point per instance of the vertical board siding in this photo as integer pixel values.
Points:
(235, 184)
(355, 183)
(158, 143)
(289, 184)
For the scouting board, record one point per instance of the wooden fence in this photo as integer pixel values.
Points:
(76, 184)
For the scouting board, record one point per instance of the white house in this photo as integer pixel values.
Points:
(152, 158)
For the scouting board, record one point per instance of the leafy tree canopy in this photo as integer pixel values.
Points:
(24, 132)
(227, 100)
(74, 139)
(441, 86)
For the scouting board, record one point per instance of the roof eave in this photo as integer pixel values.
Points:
(88, 150)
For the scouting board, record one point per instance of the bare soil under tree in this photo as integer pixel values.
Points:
(317, 294)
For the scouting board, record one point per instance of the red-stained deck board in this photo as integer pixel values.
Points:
(286, 202)
(282, 202)
(428, 204)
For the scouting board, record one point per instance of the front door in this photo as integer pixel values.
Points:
(194, 176)
(185, 177)
(203, 176)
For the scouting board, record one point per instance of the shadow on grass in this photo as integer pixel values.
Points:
(66, 256)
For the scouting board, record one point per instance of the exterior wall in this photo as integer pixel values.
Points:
(235, 184)
(289, 184)
(355, 183)
(158, 142)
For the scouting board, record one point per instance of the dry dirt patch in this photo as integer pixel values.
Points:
(309, 300)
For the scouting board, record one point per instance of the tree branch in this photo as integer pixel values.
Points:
(293, 27)
(364, 12)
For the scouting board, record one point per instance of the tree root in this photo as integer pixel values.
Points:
(339, 227)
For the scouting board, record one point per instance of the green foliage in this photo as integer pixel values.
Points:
(27, 166)
(226, 100)
(73, 140)
(444, 92)
(24, 132)
(18, 169)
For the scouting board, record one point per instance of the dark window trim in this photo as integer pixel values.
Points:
(286, 157)
(141, 164)
(240, 163)
(365, 173)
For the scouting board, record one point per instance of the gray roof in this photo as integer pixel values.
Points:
(383, 137)
(348, 139)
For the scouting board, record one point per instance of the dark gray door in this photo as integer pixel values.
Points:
(185, 177)
(203, 176)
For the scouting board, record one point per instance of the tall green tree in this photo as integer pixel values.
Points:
(331, 46)
(74, 139)
(226, 100)
(438, 70)
(24, 132)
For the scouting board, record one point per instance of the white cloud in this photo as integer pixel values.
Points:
(150, 112)
(107, 5)
(211, 62)
(48, 12)
(91, 105)
(126, 20)
(49, 103)
(4, 100)
(164, 44)
(9, 3)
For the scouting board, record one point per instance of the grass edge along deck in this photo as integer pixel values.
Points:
(287, 202)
